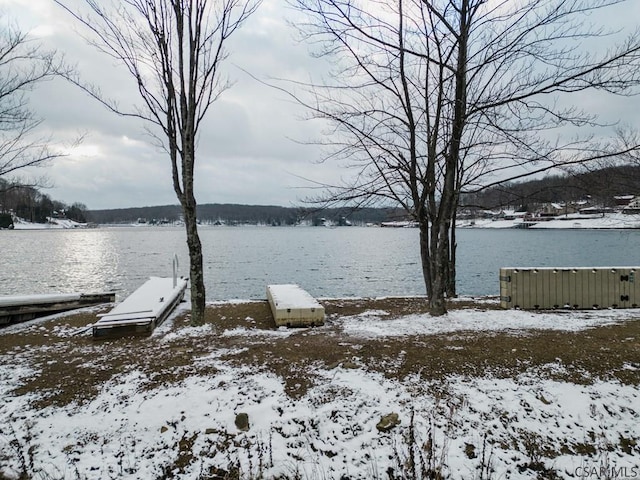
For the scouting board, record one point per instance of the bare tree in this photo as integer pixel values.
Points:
(432, 98)
(174, 50)
(23, 64)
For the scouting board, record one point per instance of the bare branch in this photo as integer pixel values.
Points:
(23, 65)
(430, 99)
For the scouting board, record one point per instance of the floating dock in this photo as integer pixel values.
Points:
(570, 288)
(143, 310)
(293, 307)
(27, 307)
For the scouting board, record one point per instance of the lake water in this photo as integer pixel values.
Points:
(241, 261)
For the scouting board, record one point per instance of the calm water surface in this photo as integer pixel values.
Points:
(241, 261)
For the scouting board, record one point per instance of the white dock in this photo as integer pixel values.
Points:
(293, 307)
(26, 307)
(144, 309)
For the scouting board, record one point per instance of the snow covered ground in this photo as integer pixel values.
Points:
(573, 221)
(55, 223)
(464, 426)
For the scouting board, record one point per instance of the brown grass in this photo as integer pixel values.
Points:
(74, 368)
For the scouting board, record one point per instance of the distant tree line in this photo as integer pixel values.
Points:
(30, 204)
(599, 187)
(232, 214)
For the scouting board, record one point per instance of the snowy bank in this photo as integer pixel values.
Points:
(608, 221)
(229, 416)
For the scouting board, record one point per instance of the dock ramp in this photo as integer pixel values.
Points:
(293, 307)
(143, 310)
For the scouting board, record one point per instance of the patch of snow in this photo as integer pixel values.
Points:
(483, 300)
(53, 223)
(374, 313)
(475, 320)
(166, 326)
(281, 332)
(233, 301)
(188, 332)
(12, 374)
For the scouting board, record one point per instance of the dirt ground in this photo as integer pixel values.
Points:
(71, 367)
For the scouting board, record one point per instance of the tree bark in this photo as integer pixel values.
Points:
(196, 271)
(451, 273)
(425, 254)
(440, 260)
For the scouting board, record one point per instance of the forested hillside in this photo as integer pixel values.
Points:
(599, 187)
(32, 205)
(247, 214)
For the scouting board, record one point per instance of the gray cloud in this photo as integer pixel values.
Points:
(245, 152)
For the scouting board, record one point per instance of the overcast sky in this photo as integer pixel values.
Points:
(250, 148)
(247, 149)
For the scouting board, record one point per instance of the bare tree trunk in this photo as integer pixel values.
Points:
(451, 274)
(425, 254)
(453, 248)
(189, 210)
(437, 303)
(440, 260)
(196, 274)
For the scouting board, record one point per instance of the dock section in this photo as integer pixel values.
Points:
(143, 310)
(293, 307)
(27, 307)
(570, 288)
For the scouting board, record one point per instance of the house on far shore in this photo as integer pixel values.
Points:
(623, 200)
(596, 210)
(557, 209)
(633, 207)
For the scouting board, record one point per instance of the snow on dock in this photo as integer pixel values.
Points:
(144, 309)
(293, 307)
(26, 307)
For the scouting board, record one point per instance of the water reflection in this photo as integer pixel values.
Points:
(57, 261)
(89, 260)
